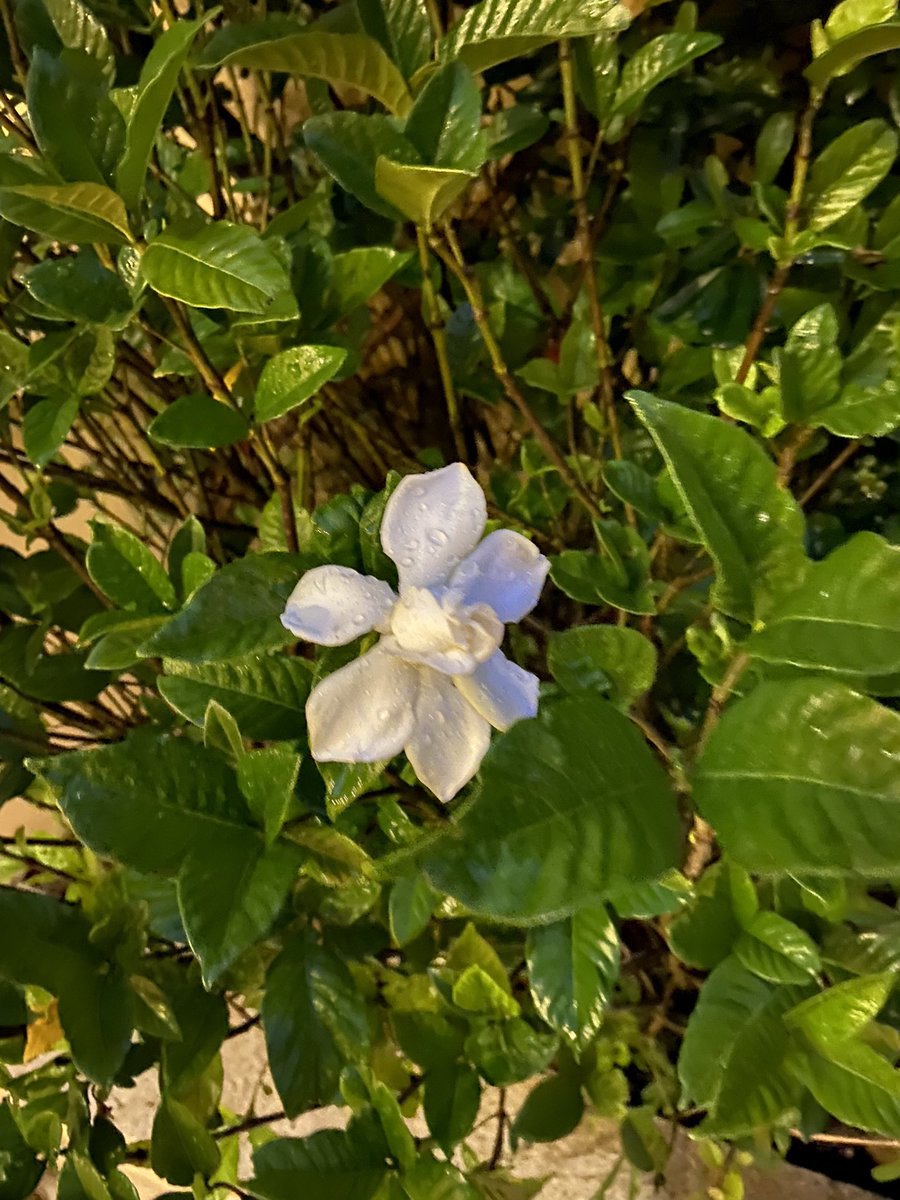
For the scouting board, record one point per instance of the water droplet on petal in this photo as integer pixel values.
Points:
(438, 537)
(359, 619)
(383, 714)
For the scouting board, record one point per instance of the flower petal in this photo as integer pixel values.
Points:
(333, 605)
(505, 571)
(501, 691)
(363, 712)
(431, 522)
(449, 739)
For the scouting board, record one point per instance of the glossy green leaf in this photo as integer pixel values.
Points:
(265, 694)
(861, 411)
(402, 28)
(46, 426)
(619, 575)
(773, 145)
(126, 571)
(656, 61)
(810, 365)
(850, 15)
(610, 658)
(120, 648)
(844, 618)
(180, 1147)
(198, 421)
(800, 777)
(357, 274)
(315, 1020)
(281, 44)
(349, 145)
(293, 377)
(421, 193)
(854, 1083)
(323, 1166)
(752, 528)
(80, 288)
(215, 266)
(444, 124)
(235, 614)
(833, 1016)
(732, 1060)
(848, 169)
(776, 949)
(159, 75)
(13, 366)
(493, 31)
(572, 969)
(534, 845)
(853, 49)
(69, 212)
(267, 778)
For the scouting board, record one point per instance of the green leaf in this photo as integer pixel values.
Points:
(705, 930)
(471, 949)
(267, 779)
(68, 212)
(752, 528)
(56, 953)
(78, 29)
(324, 1166)
(423, 194)
(203, 1020)
(357, 274)
(179, 1144)
(46, 425)
(551, 1110)
(230, 890)
(732, 1057)
(198, 422)
(507, 1052)
(159, 75)
(862, 411)
(119, 649)
(773, 145)
(452, 1096)
(833, 1016)
(848, 169)
(656, 61)
(778, 950)
(534, 845)
(608, 658)
(444, 124)
(845, 616)
(293, 377)
(13, 366)
(215, 266)
(266, 695)
(572, 968)
(851, 15)
(126, 571)
(22, 1170)
(349, 145)
(476, 992)
(411, 903)
(79, 288)
(619, 575)
(315, 1021)
(850, 50)
(854, 1084)
(430, 1179)
(281, 44)
(810, 365)
(402, 28)
(235, 614)
(346, 782)
(493, 31)
(800, 777)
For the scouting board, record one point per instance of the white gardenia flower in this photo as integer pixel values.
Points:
(437, 680)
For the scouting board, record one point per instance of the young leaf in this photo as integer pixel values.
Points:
(423, 194)
(778, 950)
(752, 528)
(267, 779)
(848, 169)
(293, 376)
(198, 421)
(619, 575)
(850, 15)
(799, 777)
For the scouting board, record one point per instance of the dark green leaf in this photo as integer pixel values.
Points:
(656, 61)
(619, 575)
(452, 1096)
(21, 1168)
(324, 1166)
(551, 1110)
(126, 571)
(773, 145)
(410, 906)
(572, 968)
(179, 1145)
(78, 287)
(349, 145)
(403, 29)
(198, 421)
(46, 425)
(265, 694)
(444, 124)
(507, 1052)
(267, 779)
(810, 365)
(603, 657)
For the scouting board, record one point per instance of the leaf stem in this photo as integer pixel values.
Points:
(436, 328)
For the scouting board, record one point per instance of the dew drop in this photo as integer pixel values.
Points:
(438, 537)
(359, 619)
(383, 714)
(406, 561)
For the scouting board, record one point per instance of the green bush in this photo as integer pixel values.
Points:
(635, 265)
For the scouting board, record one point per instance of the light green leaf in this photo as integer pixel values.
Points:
(69, 212)
(423, 194)
(281, 44)
(506, 1052)
(844, 618)
(732, 1057)
(215, 266)
(402, 28)
(349, 145)
(810, 365)
(198, 421)
(848, 169)
(13, 366)
(861, 411)
(476, 992)
(235, 614)
(606, 657)
(776, 949)
(833, 1016)
(534, 845)
(850, 15)
(572, 969)
(79, 29)
(265, 694)
(656, 61)
(293, 377)
(157, 81)
(357, 274)
(801, 777)
(850, 50)
(126, 571)
(752, 528)
(855, 1084)
(493, 31)
(46, 426)
(119, 649)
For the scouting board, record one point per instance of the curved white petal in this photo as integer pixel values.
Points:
(505, 571)
(501, 691)
(431, 522)
(333, 605)
(363, 712)
(449, 739)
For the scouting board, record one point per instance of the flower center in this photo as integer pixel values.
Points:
(442, 632)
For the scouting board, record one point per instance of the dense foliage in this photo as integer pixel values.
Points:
(635, 264)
